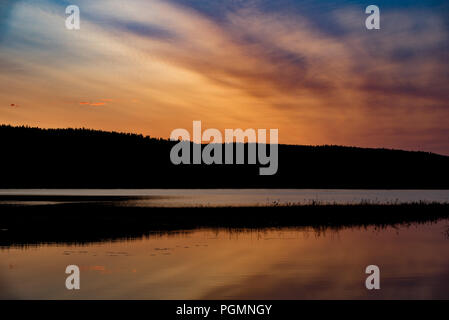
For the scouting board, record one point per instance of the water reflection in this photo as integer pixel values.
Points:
(211, 263)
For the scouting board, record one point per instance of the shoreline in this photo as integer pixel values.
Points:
(92, 222)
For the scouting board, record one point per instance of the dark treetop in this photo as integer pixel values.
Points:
(81, 158)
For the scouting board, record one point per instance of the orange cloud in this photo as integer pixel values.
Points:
(93, 103)
(259, 69)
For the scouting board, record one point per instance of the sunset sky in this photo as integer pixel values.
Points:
(308, 68)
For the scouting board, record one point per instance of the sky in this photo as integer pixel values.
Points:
(308, 68)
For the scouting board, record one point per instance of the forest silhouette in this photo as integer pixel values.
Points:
(84, 158)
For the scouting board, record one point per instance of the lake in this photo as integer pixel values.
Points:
(229, 263)
(285, 263)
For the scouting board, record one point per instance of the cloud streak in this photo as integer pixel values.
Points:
(248, 66)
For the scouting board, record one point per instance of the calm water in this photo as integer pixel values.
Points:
(236, 197)
(220, 264)
(286, 263)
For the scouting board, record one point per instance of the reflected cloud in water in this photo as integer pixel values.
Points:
(273, 263)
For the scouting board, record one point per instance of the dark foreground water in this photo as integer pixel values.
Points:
(286, 263)
(220, 263)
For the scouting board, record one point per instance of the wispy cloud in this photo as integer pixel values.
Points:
(320, 81)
